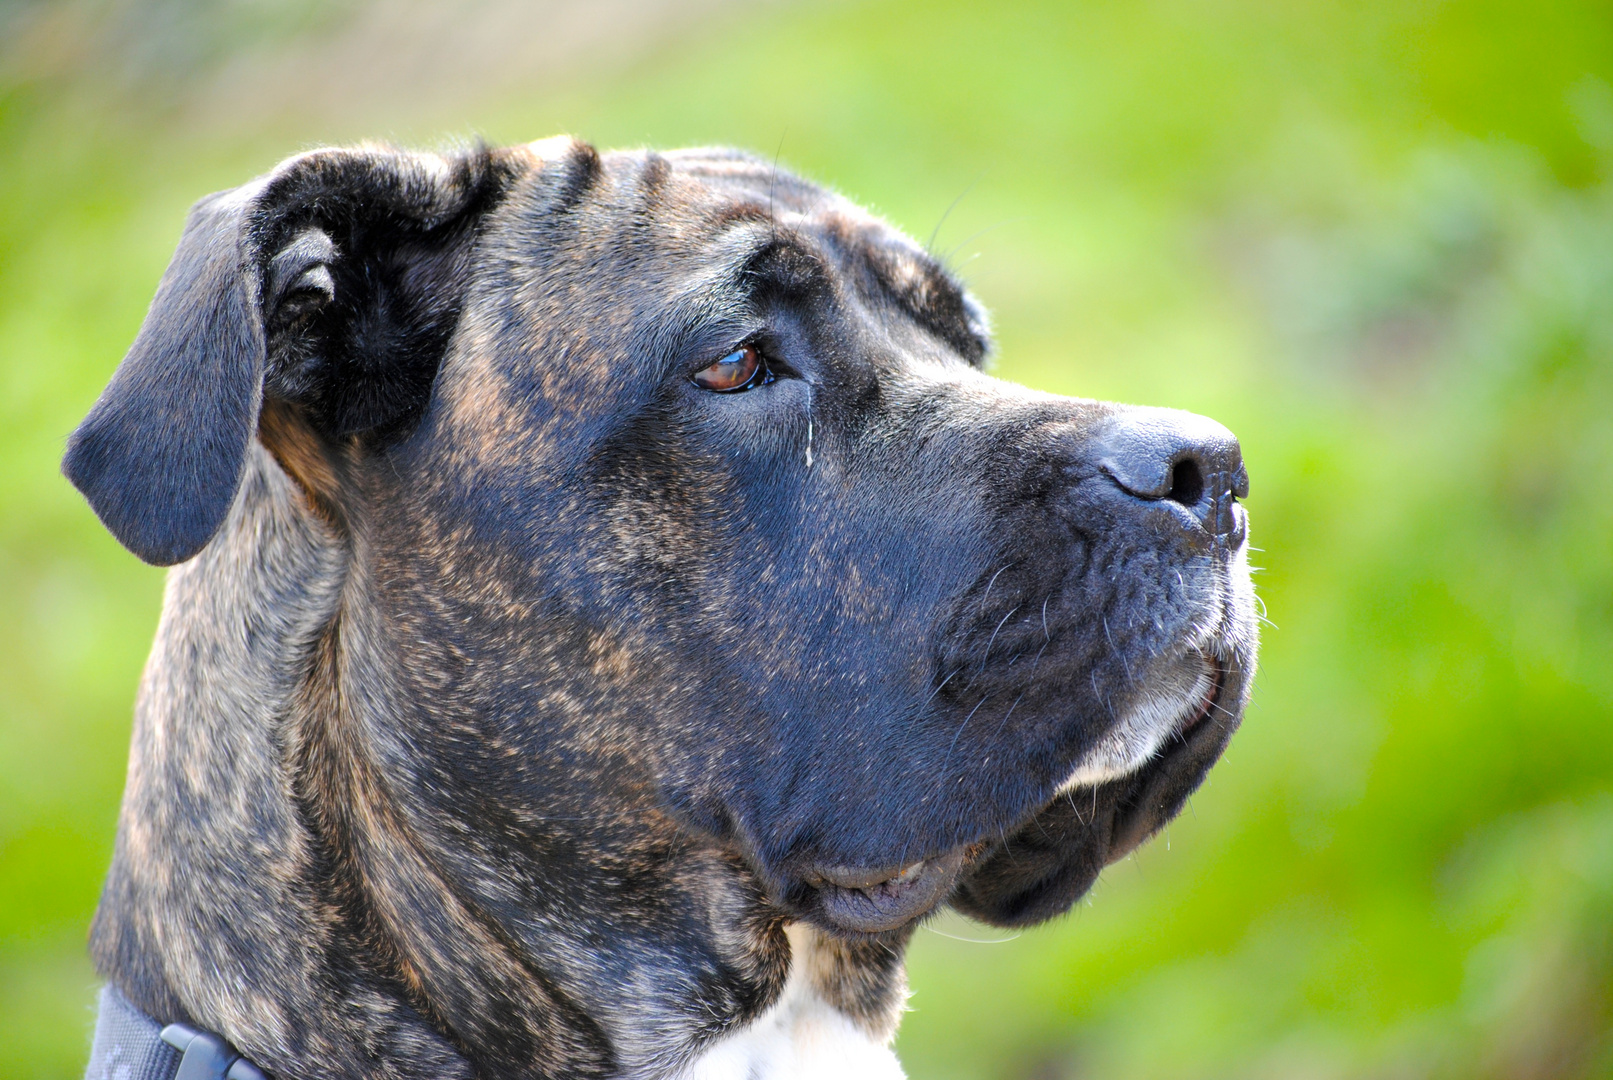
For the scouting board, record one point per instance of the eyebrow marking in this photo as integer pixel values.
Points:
(911, 279)
(787, 267)
(930, 295)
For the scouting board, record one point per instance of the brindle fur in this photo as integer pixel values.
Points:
(508, 687)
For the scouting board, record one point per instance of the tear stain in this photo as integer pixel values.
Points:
(809, 427)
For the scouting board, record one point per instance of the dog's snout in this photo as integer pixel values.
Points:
(1167, 454)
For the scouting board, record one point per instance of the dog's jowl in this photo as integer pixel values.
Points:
(611, 607)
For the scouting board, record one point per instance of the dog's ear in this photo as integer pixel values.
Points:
(333, 285)
(159, 455)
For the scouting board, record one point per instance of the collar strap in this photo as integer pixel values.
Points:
(129, 1045)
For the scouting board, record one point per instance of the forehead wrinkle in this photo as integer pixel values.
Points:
(721, 301)
(747, 234)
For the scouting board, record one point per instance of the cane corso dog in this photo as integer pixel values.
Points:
(611, 607)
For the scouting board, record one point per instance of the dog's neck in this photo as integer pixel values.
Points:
(272, 881)
(211, 912)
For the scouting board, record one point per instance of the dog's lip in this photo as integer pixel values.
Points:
(1035, 869)
(1210, 700)
(1225, 676)
(871, 900)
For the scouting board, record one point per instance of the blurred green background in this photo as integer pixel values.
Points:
(1375, 239)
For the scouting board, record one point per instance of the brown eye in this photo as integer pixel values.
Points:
(739, 370)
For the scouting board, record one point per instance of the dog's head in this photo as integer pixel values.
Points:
(688, 519)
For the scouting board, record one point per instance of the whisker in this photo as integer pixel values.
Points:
(993, 581)
(987, 657)
(947, 761)
(970, 941)
(1004, 722)
(772, 221)
(929, 245)
(947, 258)
(1124, 666)
(937, 690)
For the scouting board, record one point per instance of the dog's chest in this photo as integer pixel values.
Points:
(802, 1037)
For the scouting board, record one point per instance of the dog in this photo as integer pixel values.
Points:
(611, 607)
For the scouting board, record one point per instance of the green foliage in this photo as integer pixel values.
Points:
(1376, 240)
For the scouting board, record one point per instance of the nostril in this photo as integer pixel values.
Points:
(1174, 457)
(1187, 483)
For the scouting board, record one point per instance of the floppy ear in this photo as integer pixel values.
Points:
(333, 284)
(160, 454)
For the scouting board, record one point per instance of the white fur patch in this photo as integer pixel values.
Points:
(1138, 736)
(801, 1037)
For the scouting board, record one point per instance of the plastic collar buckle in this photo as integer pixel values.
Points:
(207, 1057)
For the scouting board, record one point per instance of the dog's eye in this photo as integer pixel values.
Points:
(741, 369)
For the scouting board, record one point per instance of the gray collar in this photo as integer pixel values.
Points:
(129, 1045)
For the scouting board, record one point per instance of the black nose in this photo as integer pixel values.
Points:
(1166, 454)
